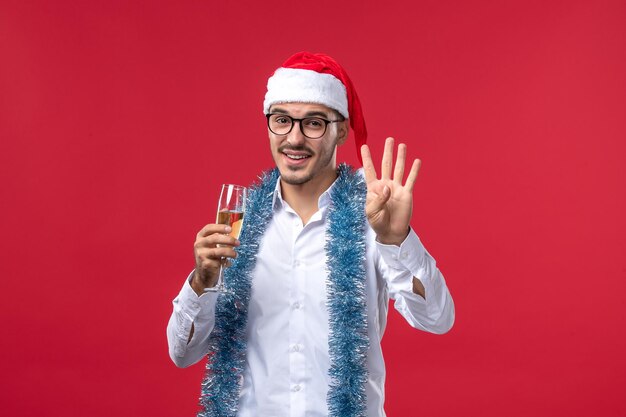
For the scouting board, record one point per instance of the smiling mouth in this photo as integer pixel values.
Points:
(296, 154)
(296, 157)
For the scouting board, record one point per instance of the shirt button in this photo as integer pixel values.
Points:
(297, 305)
(404, 255)
(296, 388)
(296, 348)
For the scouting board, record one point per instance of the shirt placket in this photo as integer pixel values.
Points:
(297, 357)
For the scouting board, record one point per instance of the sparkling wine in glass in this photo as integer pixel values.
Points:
(230, 211)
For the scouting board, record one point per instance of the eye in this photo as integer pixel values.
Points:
(314, 123)
(282, 120)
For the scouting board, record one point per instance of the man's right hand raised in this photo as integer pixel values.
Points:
(212, 246)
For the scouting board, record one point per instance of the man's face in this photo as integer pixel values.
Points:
(300, 159)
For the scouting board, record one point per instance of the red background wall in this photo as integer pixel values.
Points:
(118, 121)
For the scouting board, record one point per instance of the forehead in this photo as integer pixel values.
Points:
(301, 109)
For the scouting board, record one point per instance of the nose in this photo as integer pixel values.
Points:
(296, 136)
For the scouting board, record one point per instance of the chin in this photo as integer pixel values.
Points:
(292, 178)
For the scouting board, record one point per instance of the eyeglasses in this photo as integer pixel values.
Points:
(311, 127)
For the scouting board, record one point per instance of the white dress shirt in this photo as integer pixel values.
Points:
(287, 332)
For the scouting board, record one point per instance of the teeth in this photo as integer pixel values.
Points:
(296, 156)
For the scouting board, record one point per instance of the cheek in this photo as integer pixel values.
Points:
(326, 153)
(274, 144)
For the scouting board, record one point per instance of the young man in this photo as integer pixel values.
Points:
(322, 250)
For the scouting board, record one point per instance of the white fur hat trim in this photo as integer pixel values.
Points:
(291, 85)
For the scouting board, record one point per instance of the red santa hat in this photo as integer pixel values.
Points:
(317, 78)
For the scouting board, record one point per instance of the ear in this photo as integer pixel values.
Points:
(343, 128)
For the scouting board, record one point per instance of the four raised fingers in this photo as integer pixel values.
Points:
(386, 165)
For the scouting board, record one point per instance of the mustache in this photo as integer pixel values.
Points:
(301, 148)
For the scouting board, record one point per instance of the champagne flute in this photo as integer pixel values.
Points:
(230, 211)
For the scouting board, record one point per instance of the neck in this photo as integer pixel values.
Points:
(303, 198)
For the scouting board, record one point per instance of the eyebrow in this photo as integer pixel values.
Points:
(315, 113)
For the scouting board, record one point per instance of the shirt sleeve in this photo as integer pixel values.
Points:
(435, 312)
(190, 309)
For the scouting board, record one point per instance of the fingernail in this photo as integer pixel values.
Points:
(227, 229)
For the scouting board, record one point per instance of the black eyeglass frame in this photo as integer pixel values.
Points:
(293, 120)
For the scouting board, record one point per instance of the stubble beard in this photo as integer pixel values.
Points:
(296, 180)
(315, 170)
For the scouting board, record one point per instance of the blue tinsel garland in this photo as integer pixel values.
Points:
(347, 342)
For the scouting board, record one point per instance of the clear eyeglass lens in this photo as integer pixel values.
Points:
(313, 127)
(280, 124)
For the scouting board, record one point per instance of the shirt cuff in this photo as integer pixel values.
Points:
(192, 304)
(410, 255)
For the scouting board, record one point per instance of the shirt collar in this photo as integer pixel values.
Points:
(322, 202)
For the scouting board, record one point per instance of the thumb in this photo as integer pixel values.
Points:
(385, 196)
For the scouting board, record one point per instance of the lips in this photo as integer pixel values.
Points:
(293, 156)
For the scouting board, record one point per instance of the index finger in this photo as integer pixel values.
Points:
(368, 165)
(210, 229)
